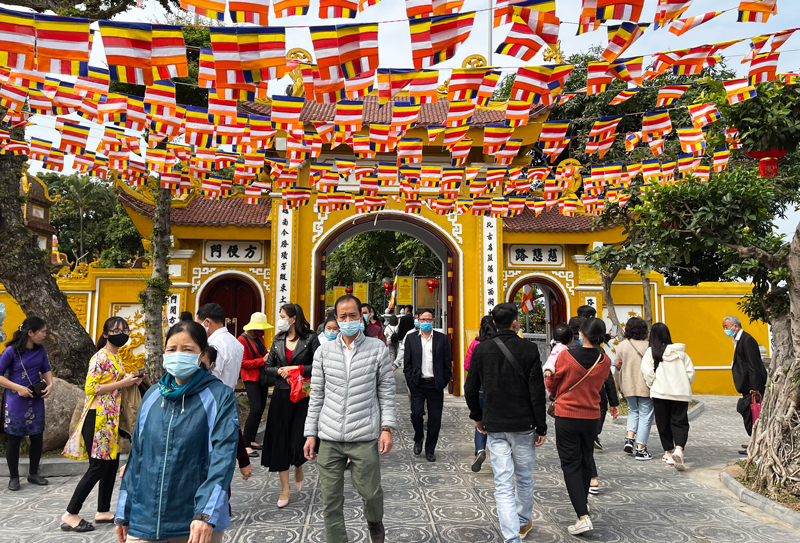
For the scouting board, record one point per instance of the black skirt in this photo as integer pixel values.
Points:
(283, 437)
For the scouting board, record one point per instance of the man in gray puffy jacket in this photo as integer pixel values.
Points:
(351, 410)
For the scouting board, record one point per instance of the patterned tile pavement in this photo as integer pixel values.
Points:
(446, 502)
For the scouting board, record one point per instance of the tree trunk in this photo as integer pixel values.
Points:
(154, 297)
(647, 305)
(25, 274)
(608, 280)
(81, 230)
(775, 445)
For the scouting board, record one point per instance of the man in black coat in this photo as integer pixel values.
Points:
(428, 367)
(513, 415)
(749, 373)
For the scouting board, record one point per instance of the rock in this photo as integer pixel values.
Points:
(58, 413)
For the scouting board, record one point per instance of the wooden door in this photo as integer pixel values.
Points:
(238, 299)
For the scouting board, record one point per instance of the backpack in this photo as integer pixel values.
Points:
(394, 338)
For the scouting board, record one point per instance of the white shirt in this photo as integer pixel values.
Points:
(229, 356)
(737, 336)
(348, 353)
(427, 356)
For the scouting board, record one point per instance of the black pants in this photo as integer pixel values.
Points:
(12, 454)
(672, 421)
(100, 471)
(575, 445)
(257, 398)
(743, 407)
(603, 410)
(422, 393)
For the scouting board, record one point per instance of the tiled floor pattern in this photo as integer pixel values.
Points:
(446, 502)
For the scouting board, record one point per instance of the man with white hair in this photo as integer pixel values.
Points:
(749, 373)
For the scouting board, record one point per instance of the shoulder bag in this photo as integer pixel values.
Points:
(37, 389)
(510, 357)
(551, 409)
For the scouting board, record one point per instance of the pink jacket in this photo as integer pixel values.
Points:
(550, 364)
(471, 348)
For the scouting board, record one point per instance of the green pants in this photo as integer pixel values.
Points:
(366, 476)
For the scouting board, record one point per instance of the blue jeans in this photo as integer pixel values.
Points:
(640, 417)
(480, 439)
(512, 455)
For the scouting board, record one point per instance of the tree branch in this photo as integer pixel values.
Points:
(68, 7)
(767, 259)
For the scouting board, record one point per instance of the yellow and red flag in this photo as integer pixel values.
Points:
(62, 45)
(682, 26)
(757, 11)
(669, 10)
(621, 37)
(249, 11)
(213, 9)
(670, 94)
(739, 90)
(128, 48)
(168, 57)
(17, 39)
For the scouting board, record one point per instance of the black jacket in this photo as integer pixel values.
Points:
(442, 359)
(404, 326)
(303, 355)
(748, 370)
(511, 402)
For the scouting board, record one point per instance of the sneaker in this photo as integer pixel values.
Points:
(628, 447)
(677, 457)
(594, 490)
(525, 530)
(478, 462)
(597, 445)
(582, 527)
(642, 454)
(667, 459)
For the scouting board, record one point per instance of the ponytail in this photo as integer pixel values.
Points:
(20, 338)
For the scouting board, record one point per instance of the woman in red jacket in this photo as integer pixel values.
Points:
(579, 374)
(252, 362)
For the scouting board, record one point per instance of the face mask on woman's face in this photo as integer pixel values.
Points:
(330, 335)
(181, 365)
(282, 326)
(118, 340)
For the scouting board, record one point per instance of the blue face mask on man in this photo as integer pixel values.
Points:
(730, 332)
(426, 326)
(181, 365)
(350, 329)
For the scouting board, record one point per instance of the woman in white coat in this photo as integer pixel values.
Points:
(669, 373)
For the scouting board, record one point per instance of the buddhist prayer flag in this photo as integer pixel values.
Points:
(348, 117)
(517, 113)
(250, 11)
(459, 114)
(423, 87)
(703, 114)
(681, 26)
(655, 125)
(286, 111)
(522, 42)
(598, 78)
(530, 82)
(621, 37)
(436, 39)
(656, 146)
(287, 8)
(460, 152)
(495, 136)
(763, 68)
(669, 10)
(624, 96)
(207, 8)
(207, 74)
(17, 39)
(632, 139)
(358, 48)
(504, 12)
(692, 140)
(757, 11)
(62, 44)
(721, 157)
(508, 152)
(404, 115)
(160, 94)
(739, 90)
(73, 138)
(390, 82)
(433, 132)
(128, 48)
(199, 127)
(358, 86)
(464, 84)
(628, 70)
(732, 138)
(553, 138)
(670, 94)
(779, 38)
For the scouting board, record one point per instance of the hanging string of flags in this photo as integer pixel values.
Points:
(184, 141)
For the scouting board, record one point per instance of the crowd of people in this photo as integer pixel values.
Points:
(333, 401)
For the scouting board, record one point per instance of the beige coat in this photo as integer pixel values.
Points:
(629, 377)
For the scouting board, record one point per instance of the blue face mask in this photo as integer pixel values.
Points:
(416, 323)
(426, 326)
(330, 335)
(366, 318)
(181, 365)
(350, 329)
(730, 333)
(362, 327)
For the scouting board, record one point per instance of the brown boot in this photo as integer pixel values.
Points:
(376, 532)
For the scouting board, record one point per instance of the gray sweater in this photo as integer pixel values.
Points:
(354, 409)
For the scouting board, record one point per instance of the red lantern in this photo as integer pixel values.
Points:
(432, 284)
(767, 161)
(387, 287)
(348, 290)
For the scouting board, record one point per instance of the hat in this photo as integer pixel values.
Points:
(258, 321)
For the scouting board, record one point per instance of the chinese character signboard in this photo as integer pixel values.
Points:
(173, 308)
(233, 252)
(283, 259)
(338, 292)
(536, 256)
(405, 291)
(490, 292)
(361, 291)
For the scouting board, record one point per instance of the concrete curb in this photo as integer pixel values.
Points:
(747, 496)
(64, 467)
(694, 412)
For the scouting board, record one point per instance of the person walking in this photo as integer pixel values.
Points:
(229, 351)
(392, 338)
(579, 374)
(373, 327)
(330, 330)
(628, 361)
(428, 368)
(252, 340)
(749, 374)
(96, 436)
(183, 451)
(352, 413)
(512, 416)
(669, 373)
(486, 332)
(413, 327)
(27, 380)
(292, 348)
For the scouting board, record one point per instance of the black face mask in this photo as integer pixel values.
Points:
(118, 340)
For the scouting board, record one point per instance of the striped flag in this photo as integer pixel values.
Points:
(651, 169)
(168, 57)
(598, 78)
(603, 10)
(624, 96)
(423, 88)
(521, 42)
(390, 82)
(621, 37)
(286, 112)
(779, 38)
(39, 148)
(433, 132)
(358, 86)
(495, 136)
(404, 115)
(656, 146)
(12, 98)
(464, 84)
(655, 125)
(669, 10)
(670, 94)
(504, 11)
(692, 140)
(508, 152)
(66, 100)
(419, 8)
(517, 113)
(738, 90)
(250, 11)
(73, 138)
(703, 114)
(682, 26)
(436, 39)
(632, 139)
(135, 115)
(207, 8)
(763, 68)
(553, 138)
(530, 82)
(94, 85)
(757, 11)
(113, 109)
(128, 48)
(687, 164)
(459, 114)
(62, 44)
(460, 152)
(545, 25)
(17, 39)
(287, 8)
(348, 117)
(207, 73)
(338, 9)
(358, 48)
(160, 97)
(199, 127)
(721, 157)
(732, 137)
(702, 173)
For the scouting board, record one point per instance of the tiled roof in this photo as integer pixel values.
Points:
(548, 221)
(202, 212)
(428, 114)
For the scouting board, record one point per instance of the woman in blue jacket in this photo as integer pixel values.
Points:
(183, 451)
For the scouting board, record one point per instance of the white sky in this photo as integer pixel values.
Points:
(395, 44)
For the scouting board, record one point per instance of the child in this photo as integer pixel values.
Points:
(563, 337)
(209, 359)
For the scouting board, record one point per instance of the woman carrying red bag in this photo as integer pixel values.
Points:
(292, 349)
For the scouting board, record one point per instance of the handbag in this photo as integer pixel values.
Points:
(551, 409)
(300, 385)
(755, 406)
(37, 389)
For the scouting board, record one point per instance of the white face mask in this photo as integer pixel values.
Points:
(282, 326)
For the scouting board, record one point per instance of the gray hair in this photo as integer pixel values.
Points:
(733, 320)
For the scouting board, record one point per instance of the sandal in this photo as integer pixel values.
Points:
(104, 521)
(82, 527)
(594, 490)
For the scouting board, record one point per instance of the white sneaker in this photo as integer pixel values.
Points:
(667, 459)
(677, 458)
(582, 527)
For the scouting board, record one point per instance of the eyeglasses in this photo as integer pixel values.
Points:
(118, 332)
(426, 320)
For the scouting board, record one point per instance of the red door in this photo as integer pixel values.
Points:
(238, 299)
